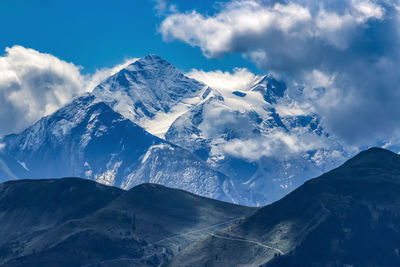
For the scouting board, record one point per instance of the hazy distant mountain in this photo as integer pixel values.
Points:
(349, 216)
(76, 222)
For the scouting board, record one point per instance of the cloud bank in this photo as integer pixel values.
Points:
(34, 84)
(349, 47)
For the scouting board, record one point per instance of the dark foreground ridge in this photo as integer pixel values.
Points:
(75, 222)
(349, 216)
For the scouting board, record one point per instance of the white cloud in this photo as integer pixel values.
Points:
(216, 35)
(349, 47)
(317, 78)
(34, 84)
(275, 144)
(163, 7)
(239, 79)
(227, 30)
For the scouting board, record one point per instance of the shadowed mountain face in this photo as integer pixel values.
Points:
(349, 216)
(74, 222)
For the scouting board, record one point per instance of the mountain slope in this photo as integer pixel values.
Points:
(84, 138)
(28, 208)
(73, 222)
(174, 167)
(347, 217)
(10, 168)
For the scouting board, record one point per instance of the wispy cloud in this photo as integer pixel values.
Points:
(164, 7)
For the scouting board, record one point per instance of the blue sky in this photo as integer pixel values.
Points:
(97, 34)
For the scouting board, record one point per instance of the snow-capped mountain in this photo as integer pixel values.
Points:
(152, 93)
(151, 123)
(86, 138)
(172, 166)
(260, 136)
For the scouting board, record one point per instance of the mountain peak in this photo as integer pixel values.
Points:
(149, 74)
(149, 62)
(377, 150)
(147, 187)
(153, 57)
(148, 89)
(374, 156)
(368, 165)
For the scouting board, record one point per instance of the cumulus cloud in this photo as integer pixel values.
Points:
(34, 84)
(246, 26)
(349, 47)
(239, 79)
(275, 144)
